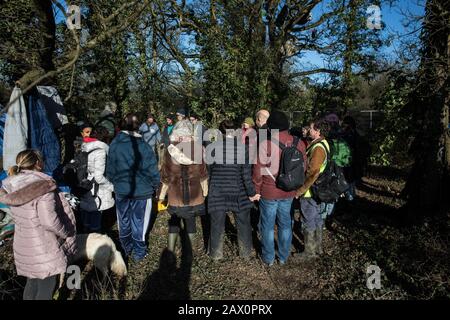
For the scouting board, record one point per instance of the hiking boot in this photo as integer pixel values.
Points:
(318, 236)
(216, 253)
(245, 253)
(309, 252)
(172, 241)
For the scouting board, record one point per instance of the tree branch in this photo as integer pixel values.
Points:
(310, 72)
(71, 84)
(322, 19)
(36, 77)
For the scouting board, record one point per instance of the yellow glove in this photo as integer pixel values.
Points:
(162, 206)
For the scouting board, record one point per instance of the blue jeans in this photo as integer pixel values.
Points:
(279, 211)
(133, 218)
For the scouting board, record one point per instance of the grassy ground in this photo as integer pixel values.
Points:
(414, 260)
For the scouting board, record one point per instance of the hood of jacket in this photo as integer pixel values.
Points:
(25, 187)
(89, 146)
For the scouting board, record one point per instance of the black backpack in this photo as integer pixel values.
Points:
(331, 182)
(76, 173)
(291, 175)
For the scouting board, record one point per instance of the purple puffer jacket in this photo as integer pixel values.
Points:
(45, 229)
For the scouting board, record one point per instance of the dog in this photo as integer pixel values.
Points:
(101, 250)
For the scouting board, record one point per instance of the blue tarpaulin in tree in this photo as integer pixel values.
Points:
(43, 138)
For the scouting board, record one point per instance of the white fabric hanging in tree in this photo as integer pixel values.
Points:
(16, 130)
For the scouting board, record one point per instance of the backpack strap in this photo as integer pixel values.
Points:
(93, 150)
(87, 158)
(296, 141)
(148, 129)
(280, 145)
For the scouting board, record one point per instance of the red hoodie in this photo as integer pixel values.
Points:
(264, 183)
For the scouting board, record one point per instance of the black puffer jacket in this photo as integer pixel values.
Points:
(230, 183)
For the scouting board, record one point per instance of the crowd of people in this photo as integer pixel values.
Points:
(194, 172)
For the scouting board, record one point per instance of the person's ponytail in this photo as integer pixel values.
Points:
(14, 170)
(27, 160)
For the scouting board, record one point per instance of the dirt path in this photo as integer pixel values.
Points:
(413, 260)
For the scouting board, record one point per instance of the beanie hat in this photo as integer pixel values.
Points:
(182, 112)
(278, 120)
(249, 121)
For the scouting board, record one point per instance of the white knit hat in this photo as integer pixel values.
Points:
(182, 129)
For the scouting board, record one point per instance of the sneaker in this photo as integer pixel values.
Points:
(268, 264)
(139, 259)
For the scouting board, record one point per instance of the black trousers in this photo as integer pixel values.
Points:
(244, 230)
(40, 289)
(175, 224)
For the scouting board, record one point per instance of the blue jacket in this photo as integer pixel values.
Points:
(151, 134)
(132, 167)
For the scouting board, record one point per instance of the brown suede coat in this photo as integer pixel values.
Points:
(182, 177)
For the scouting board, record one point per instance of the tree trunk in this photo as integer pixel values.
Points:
(350, 21)
(426, 187)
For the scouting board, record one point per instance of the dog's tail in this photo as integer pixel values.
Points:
(118, 266)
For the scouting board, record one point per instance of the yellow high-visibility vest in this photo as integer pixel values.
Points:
(309, 153)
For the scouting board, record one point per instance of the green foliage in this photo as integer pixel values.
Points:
(390, 138)
(26, 35)
(234, 69)
(355, 47)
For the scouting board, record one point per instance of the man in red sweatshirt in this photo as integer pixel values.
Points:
(274, 203)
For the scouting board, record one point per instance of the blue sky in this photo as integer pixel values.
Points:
(393, 17)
